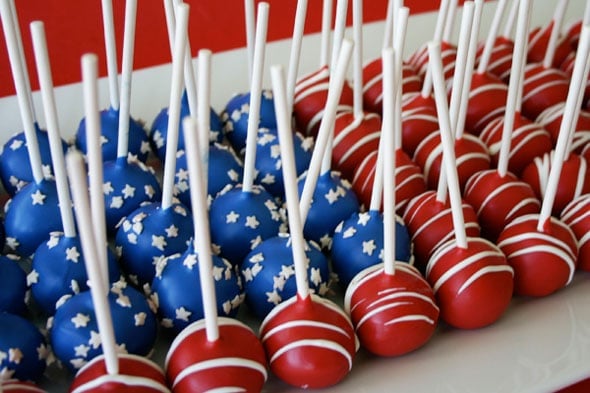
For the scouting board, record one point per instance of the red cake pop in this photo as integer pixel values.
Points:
(551, 120)
(471, 280)
(15, 386)
(577, 216)
(549, 38)
(418, 120)
(543, 88)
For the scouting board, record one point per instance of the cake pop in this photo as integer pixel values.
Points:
(157, 230)
(16, 386)
(23, 350)
(466, 273)
(418, 120)
(137, 138)
(542, 38)
(576, 215)
(220, 340)
(13, 280)
(372, 90)
(551, 119)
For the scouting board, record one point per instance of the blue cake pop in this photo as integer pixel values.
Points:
(358, 244)
(23, 350)
(241, 220)
(139, 146)
(13, 281)
(176, 290)
(30, 216)
(268, 159)
(58, 270)
(333, 201)
(235, 118)
(150, 234)
(268, 273)
(74, 330)
(15, 169)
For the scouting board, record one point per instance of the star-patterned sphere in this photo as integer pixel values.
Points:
(150, 234)
(333, 201)
(358, 244)
(139, 145)
(15, 167)
(268, 273)
(74, 329)
(242, 220)
(176, 289)
(159, 130)
(30, 216)
(268, 159)
(128, 184)
(235, 118)
(58, 271)
(23, 350)
(13, 281)
(224, 169)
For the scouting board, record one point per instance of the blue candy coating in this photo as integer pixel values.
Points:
(177, 293)
(241, 220)
(138, 141)
(74, 333)
(358, 244)
(148, 235)
(58, 270)
(13, 281)
(268, 273)
(23, 351)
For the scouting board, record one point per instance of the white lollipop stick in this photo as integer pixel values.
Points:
(334, 90)
(22, 91)
(298, 27)
(448, 143)
(202, 240)
(450, 21)
(77, 174)
(579, 75)
(491, 38)
(339, 27)
(399, 39)
(111, 52)
(50, 111)
(390, 16)
(377, 190)
(357, 59)
(389, 87)
(290, 180)
(126, 76)
(441, 18)
(558, 16)
(326, 32)
(509, 26)
(255, 97)
(203, 108)
(249, 14)
(174, 106)
(516, 74)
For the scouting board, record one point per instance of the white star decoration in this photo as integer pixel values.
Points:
(15, 355)
(182, 174)
(332, 196)
(12, 243)
(149, 191)
(107, 188)
(268, 179)
(172, 231)
(16, 144)
(159, 242)
(252, 222)
(128, 191)
(80, 320)
(273, 297)
(94, 340)
(82, 350)
(116, 202)
(38, 198)
(364, 218)
(145, 147)
(72, 254)
(6, 374)
(183, 314)
(52, 242)
(349, 232)
(140, 318)
(190, 261)
(369, 247)
(232, 217)
(32, 278)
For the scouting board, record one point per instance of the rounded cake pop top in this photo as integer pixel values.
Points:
(139, 146)
(58, 271)
(577, 216)
(16, 386)
(333, 201)
(235, 117)
(567, 66)
(74, 330)
(487, 100)
(542, 88)
(30, 216)
(187, 370)
(393, 314)
(551, 119)
(176, 293)
(269, 274)
(15, 169)
(241, 220)
(539, 41)
(135, 373)
(500, 59)
(543, 261)
(322, 336)
(23, 351)
(358, 244)
(13, 281)
(149, 234)
(418, 122)
(419, 59)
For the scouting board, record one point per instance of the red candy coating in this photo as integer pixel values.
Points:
(576, 215)
(542, 88)
(136, 374)
(501, 58)
(419, 60)
(551, 120)
(235, 361)
(16, 386)
(310, 343)
(487, 100)
(418, 121)
(543, 262)
(473, 286)
(538, 41)
(499, 200)
(392, 314)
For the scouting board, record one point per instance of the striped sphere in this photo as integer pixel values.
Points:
(419, 59)
(16, 386)
(392, 314)
(235, 362)
(551, 120)
(418, 121)
(500, 61)
(543, 261)
(542, 88)
(487, 100)
(310, 342)
(576, 215)
(538, 42)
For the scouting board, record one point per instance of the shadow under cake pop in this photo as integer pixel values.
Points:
(13, 281)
